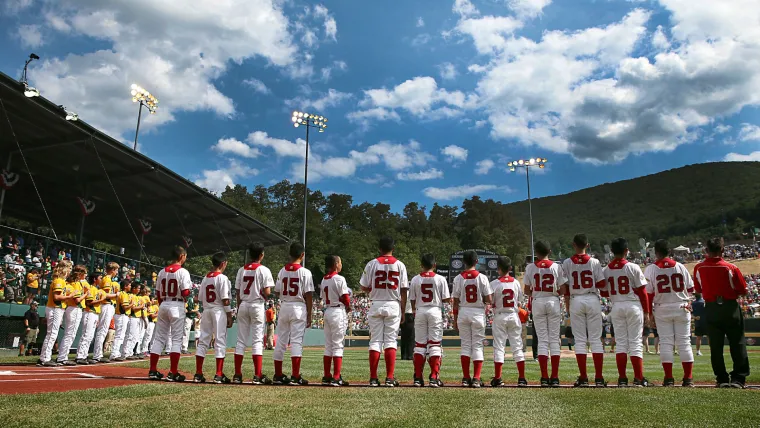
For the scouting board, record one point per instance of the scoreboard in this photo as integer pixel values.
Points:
(487, 264)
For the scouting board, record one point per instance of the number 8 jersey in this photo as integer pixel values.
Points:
(293, 282)
(623, 278)
(215, 288)
(385, 277)
(470, 287)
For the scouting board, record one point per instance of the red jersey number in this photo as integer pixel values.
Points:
(386, 280)
(290, 286)
(471, 293)
(543, 282)
(170, 288)
(427, 292)
(509, 298)
(210, 293)
(327, 296)
(623, 285)
(585, 279)
(248, 283)
(666, 284)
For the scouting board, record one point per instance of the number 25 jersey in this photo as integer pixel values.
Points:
(385, 277)
(215, 288)
(293, 282)
(544, 278)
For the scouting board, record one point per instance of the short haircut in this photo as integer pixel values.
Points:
(580, 240)
(177, 253)
(504, 263)
(715, 245)
(386, 244)
(296, 249)
(470, 258)
(541, 249)
(76, 272)
(661, 248)
(619, 246)
(255, 250)
(112, 266)
(331, 262)
(218, 258)
(427, 261)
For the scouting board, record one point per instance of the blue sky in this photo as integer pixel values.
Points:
(427, 101)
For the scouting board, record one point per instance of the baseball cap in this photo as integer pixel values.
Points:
(34, 303)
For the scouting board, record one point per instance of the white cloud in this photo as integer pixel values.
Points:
(30, 36)
(375, 179)
(722, 129)
(464, 8)
(420, 22)
(749, 132)
(737, 157)
(257, 85)
(454, 153)
(660, 40)
(331, 27)
(330, 99)
(429, 174)
(448, 193)
(281, 147)
(448, 71)
(528, 8)
(420, 40)
(237, 147)
(336, 65)
(12, 7)
(484, 166)
(216, 181)
(489, 33)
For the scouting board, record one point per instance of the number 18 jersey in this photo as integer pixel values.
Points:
(622, 278)
(544, 278)
(385, 276)
(471, 287)
(293, 282)
(428, 289)
(215, 288)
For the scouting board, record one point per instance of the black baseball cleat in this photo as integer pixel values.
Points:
(66, 363)
(175, 377)
(119, 359)
(280, 380)
(544, 382)
(522, 382)
(466, 382)
(600, 382)
(104, 360)
(641, 383)
(497, 382)
(198, 378)
(339, 382)
(300, 381)
(92, 362)
(237, 379)
(82, 362)
(435, 382)
(222, 379)
(263, 380)
(374, 382)
(737, 384)
(622, 382)
(720, 384)
(327, 380)
(476, 383)
(391, 382)
(581, 382)
(419, 382)
(133, 357)
(554, 382)
(155, 376)
(669, 381)
(687, 383)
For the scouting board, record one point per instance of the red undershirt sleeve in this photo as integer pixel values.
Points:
(346, 301)
(642, 294)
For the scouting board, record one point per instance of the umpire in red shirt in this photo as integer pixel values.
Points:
(721, 284)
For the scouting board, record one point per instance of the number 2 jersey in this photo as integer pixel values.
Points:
(584, 274)
(251, 280)
(507, 293)
(623, 279)
(544, 278)
(173, 283)
(669, 281)
(215, 288)
(385, 276)
(471, 287)
(428, 289)
(293, 282)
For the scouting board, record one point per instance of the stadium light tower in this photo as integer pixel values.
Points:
(308, 121)
(527, 165)
(142, 96)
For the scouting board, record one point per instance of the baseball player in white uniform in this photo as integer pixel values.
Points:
(253, 285)
(295, 287)
(585, 278)
(386, 281)
(134, 323)
(72, 317)
(544, 281)
(427, 293)
(626, 290)
(669, 289)
(471, 293)
(173, 286)
(215, 295)
(507, 294)
(337, 306)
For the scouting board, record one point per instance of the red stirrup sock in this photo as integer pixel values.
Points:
(622, 361)
(326, 364)
(199, 364)
(296, 363)
(338, 363)
(238, 364)
(465, 360)
(497, 370)
(478, 368)
(581, 360)
(435, 366)
(154, 362)
(219, 366)
(277, 368)
(598, 365)
(543, 361)
(174, 362)
(687, 369)
(258, 364)
(419, 365)
(390, 362)
(374, 360)
(555, 366)
(638, 367)
(521, 369)
(668, 369)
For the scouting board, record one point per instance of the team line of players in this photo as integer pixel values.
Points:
(662, 293)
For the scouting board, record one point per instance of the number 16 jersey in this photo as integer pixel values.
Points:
(385, 276)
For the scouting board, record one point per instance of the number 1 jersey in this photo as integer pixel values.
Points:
(293, 282)
(215, 288)
(385, 276)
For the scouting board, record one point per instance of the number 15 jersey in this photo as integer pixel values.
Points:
(215, 288)
(385, 277)
(544, 278)
(293, 282)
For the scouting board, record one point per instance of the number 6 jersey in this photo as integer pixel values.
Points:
(215, 288)
(385, 277)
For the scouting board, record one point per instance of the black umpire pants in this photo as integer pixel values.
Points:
(727, 320)
(407, 337)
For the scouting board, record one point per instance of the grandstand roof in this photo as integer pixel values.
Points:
(65, 160)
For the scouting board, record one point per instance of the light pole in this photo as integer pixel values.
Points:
(527, 165)
(307, 120)
(142, 96)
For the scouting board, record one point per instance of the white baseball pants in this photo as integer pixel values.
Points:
(291, 326)
(120, 325)
(628, 321)
(384, 318)
(251, 321)
(186, 333)
(336, 321)
(72, 317)
(213, 324)
(104, 322)
(140, 336)
(507, 325)
(428, 331)
(472, 332)
(89, 324)
(148, 337)
(547, 318)
(586, 319)
(170, 323)
(133, 334)
(674, 328)
(54, 318)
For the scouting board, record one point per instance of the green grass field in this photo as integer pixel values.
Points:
(162, 404)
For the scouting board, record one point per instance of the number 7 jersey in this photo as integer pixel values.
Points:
(251, 280)
(385, 276)
(293, 282)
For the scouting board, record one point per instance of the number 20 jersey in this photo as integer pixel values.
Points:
(669, 281)
(215, 288)
(428, 289)
(544, 278)
(385, 276)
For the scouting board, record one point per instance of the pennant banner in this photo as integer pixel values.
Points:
(87, 206)
(145, 225)
(188, 241)
(8, 179)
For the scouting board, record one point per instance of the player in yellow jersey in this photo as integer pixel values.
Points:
(56, 306)
(135, 322)
(111, 288)
(95, 298)
(145, 299)
(121, 320)
(73, 315)
(152, 315)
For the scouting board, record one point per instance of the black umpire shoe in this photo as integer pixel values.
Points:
(719, 384)
(466, 382)
(688, 383)
(434, 382)
(737, 384)
(522, 382)
(339, 382)
(237, 379)
(544, 382)
(263, 380)
(497, 382)
(298, 381)
(391, 382)
(622, 382)
(155, 376)
(281, 380)
(374, 382)
(419, 382)
(221, 379)
(600, 382)
(669, 381)
(639, 383)
(554, 382)
(198, 378)
(582, 382)
(327, 380)
(476, 383)
(175, 377)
